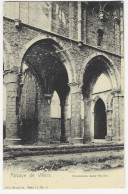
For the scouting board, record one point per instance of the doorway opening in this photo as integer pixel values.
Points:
(100, 126)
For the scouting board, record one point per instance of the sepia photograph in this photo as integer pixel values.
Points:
(63, 95)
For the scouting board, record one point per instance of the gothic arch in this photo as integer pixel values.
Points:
(62, 53)
(110, 67)
(49, 64)
(95, 65)
(94, 100)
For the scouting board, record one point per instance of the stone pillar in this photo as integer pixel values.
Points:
(79, 23)
(11, 80)
(109, 135)
(70, 20)
(84, 27)
(118, 111)
(117, 35)
(122, 46)
(122, 72)
(63, 122)
(67, 127)
(75, 91)
(87, 120)
(44, 125)
(121, 111)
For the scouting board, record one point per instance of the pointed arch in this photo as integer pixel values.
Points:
(62, 53)
(94, 67)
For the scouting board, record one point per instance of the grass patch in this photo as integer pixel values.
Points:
(105, 162)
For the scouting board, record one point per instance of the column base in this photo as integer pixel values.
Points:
(8, 141)
(117, 138)
(87, 140)
(76, 140)
(108, 138)
(63, 139)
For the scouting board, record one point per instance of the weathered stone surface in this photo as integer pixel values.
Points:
(55, 61)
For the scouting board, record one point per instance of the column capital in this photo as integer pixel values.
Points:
(11, 77)
(48, 98)
(117, 20)
(116, 92)
(108, 110)
(75, 87)
(88, 99)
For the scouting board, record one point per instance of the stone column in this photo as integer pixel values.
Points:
(11, 80)
(67, 127)
(79, 23)
(122, 72)
(109, 135)
(116, 117)
(117, 31)
(117, 35)
(84, 28)
(121, 111)
(75, 91)
(87, 120)
(70, 20)
(63, 122)
(122, 46)
(44, 125)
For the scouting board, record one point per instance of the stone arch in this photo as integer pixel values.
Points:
(93, 102)
(62, 53)
(94, 66)
(111, 69)
(48, 59)
(96, 98)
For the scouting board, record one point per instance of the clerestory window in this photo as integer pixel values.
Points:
(100, 37)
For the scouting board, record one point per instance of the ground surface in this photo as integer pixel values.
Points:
(66, 162)
(102, 169)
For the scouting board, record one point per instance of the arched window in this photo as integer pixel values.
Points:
(100, 36)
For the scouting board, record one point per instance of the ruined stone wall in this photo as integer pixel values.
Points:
(64, 20)
(93, 24)
(19, 38)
